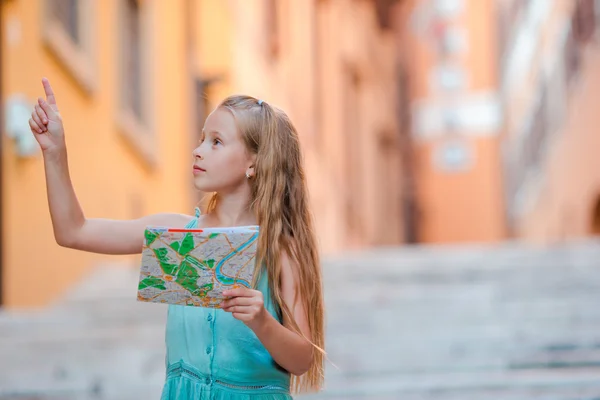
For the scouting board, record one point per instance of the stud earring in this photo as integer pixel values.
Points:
(247, 175)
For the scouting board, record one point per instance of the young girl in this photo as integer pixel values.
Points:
(266, 342)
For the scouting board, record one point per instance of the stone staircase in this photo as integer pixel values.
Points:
(504, 322)
(97, 343)
(510, 321)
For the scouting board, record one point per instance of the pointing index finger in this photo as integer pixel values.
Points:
(49, 92)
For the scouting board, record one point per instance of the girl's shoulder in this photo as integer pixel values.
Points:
(168, 219)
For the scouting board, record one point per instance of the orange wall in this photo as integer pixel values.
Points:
(479, 20)
(110, 178)
(461, 207)
(213, 56)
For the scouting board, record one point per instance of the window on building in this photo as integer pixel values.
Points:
(584, 22)
(571, 57)
(66, 12)
(273, 34)
(352, 171)
(68, 32)
(383, 10)
(388, 179)
(131, 58)
(134, 96)
(596, 217)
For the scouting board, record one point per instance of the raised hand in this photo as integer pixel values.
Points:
(46, 122)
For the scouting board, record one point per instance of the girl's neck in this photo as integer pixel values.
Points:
(230, 211)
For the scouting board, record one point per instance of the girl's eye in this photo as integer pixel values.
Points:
(216, 141)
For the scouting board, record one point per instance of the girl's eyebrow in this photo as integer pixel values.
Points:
(212, 132)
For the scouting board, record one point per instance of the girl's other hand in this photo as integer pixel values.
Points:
(247, 305)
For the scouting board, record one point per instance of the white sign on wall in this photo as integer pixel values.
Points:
(454, 155)
(449, 8)
(16, 125)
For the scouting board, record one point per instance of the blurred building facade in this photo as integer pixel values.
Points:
(420, 120)
(549, 63)
(134, 82)
(503, 117)
(456, 118)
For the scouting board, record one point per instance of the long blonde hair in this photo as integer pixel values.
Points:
(279, 198)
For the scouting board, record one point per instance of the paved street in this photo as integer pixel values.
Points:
(500, 322)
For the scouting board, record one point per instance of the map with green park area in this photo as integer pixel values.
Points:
(195, 266)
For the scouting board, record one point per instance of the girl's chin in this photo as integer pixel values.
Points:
(202, 186)
(206, 188)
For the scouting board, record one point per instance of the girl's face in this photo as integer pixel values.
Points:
(221, 160)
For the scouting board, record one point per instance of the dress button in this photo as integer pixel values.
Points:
(207, 380)
(208, 350)
(209, 318)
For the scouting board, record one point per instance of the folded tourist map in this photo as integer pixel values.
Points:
(194, 266)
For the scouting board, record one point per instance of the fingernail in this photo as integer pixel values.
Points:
(45, 121)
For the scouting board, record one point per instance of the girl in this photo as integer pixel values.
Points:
(266, 342)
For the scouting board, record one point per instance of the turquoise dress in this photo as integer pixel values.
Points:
(211, 355)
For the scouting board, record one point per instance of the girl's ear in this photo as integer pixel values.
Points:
(252, 161)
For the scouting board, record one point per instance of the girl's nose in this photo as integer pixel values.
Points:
(196, 153)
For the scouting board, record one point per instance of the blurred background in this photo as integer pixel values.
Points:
(452, 154)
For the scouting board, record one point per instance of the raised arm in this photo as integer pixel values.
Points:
(71, 228)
